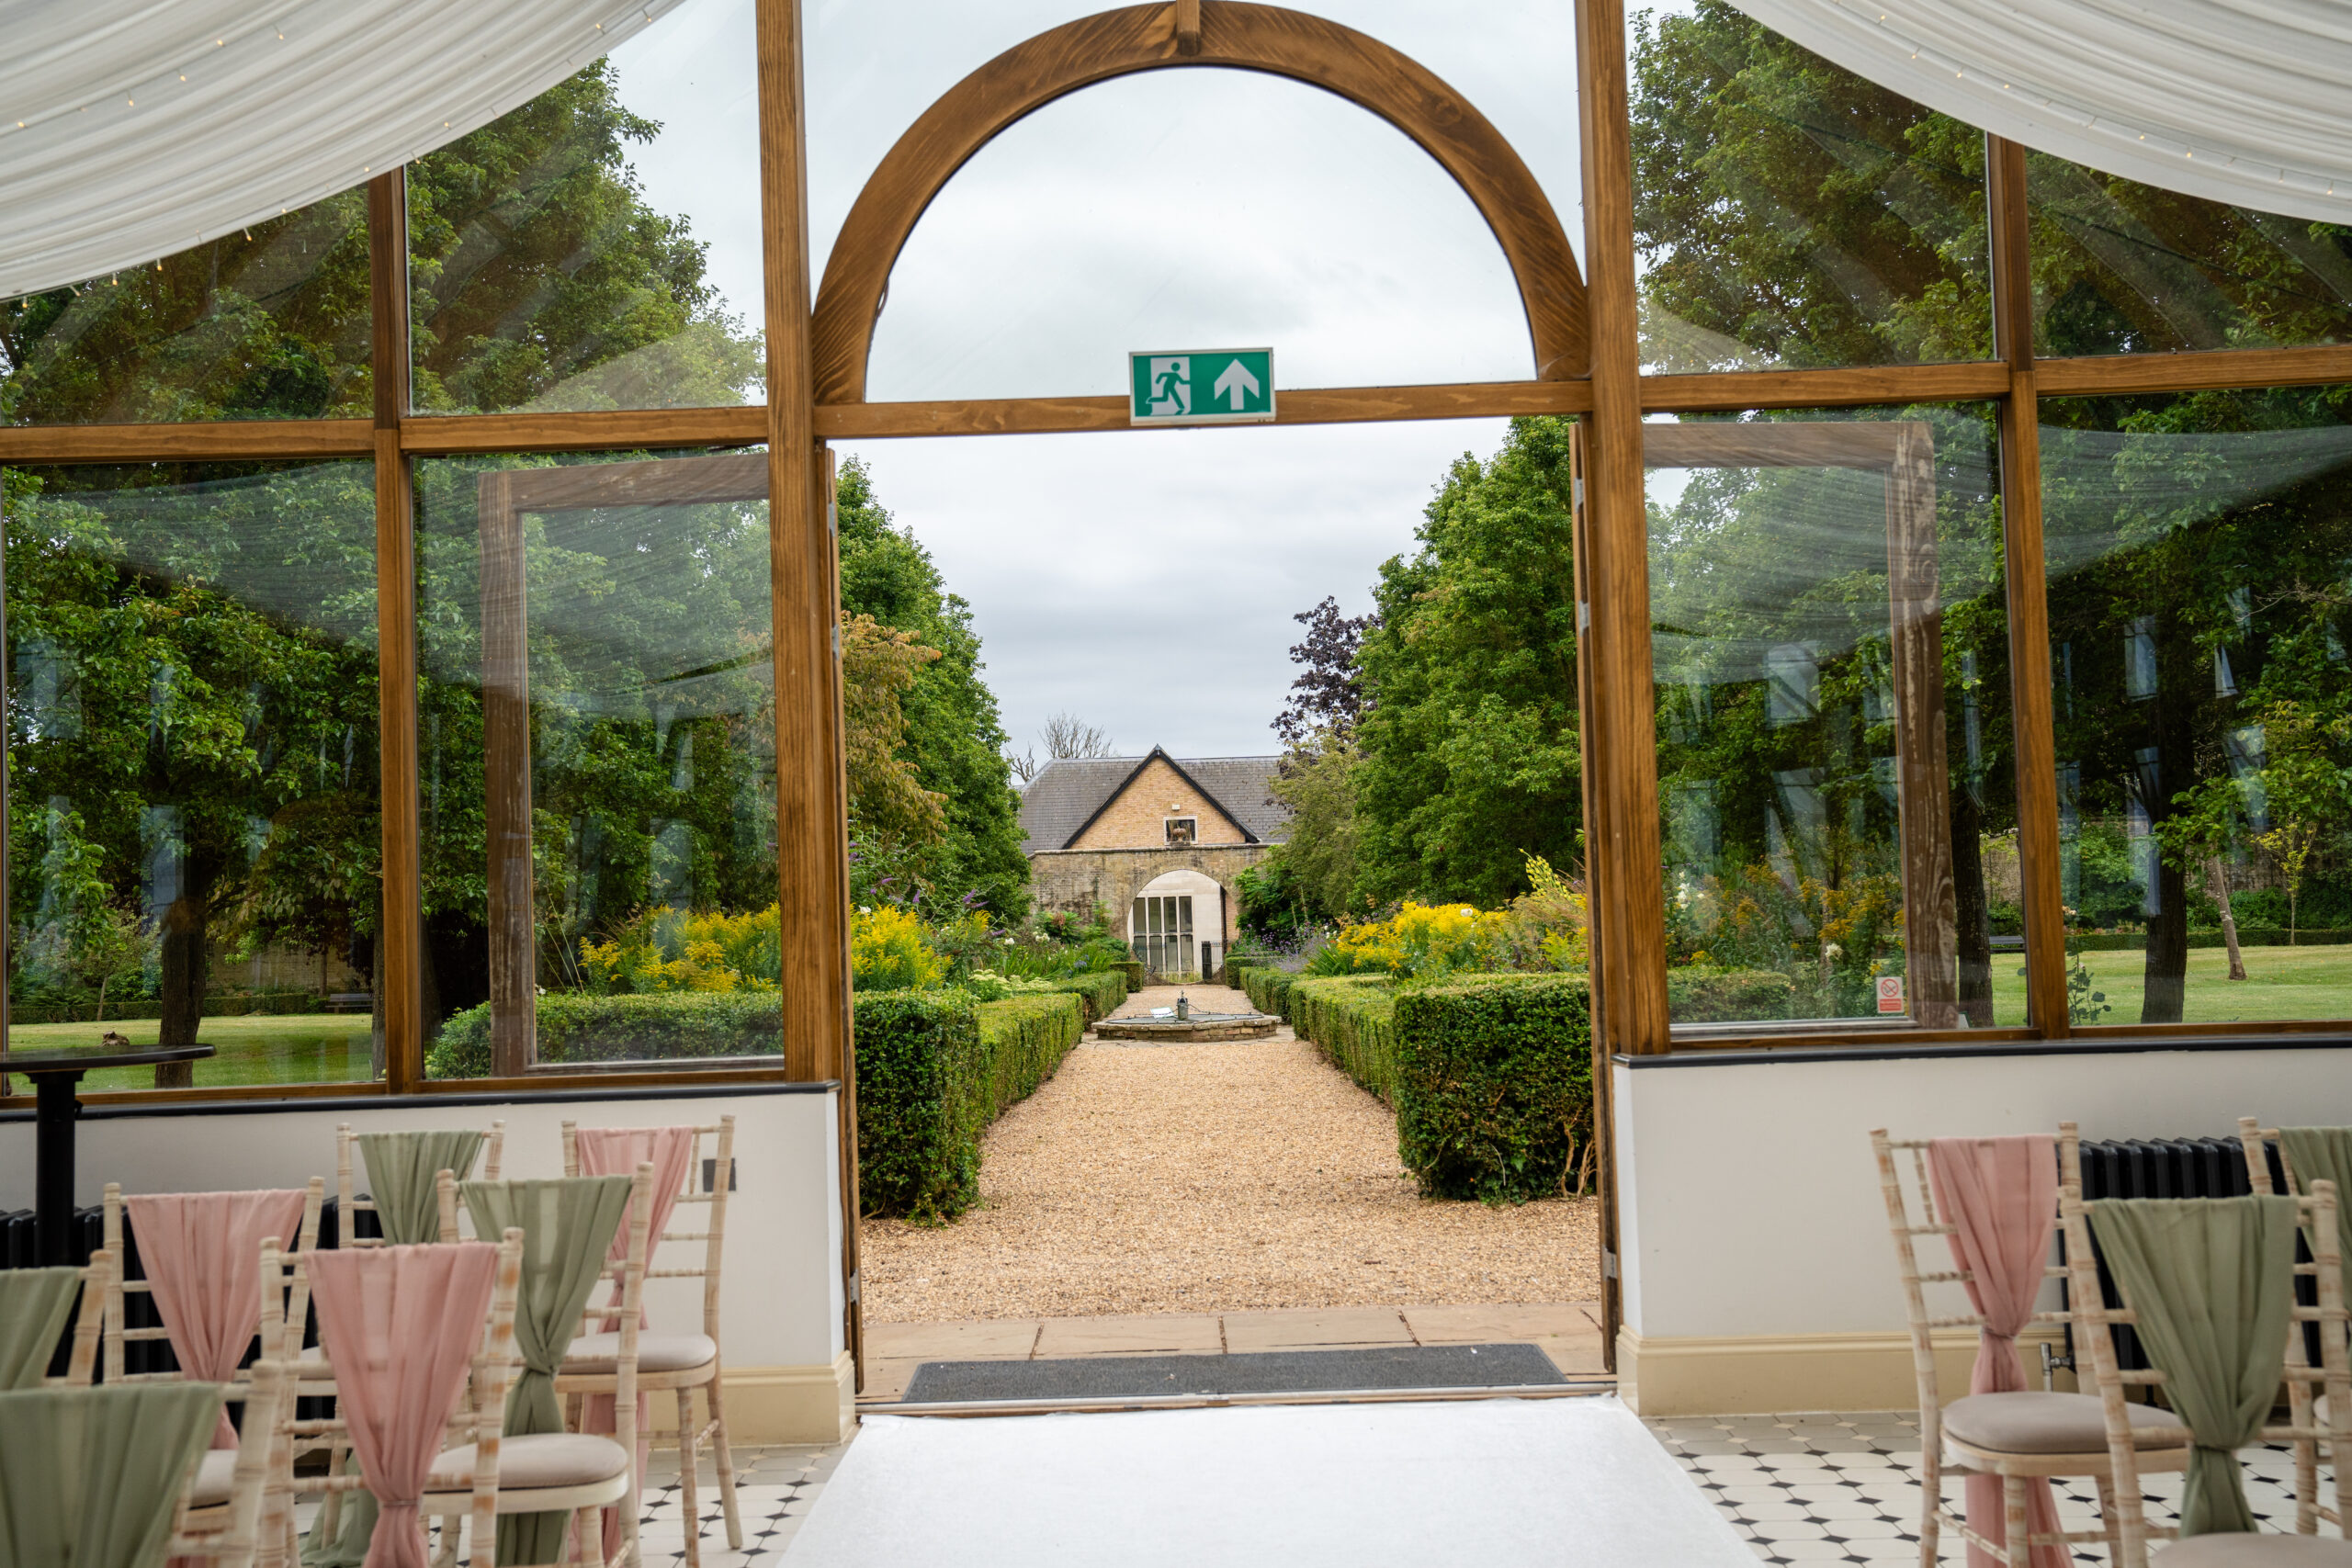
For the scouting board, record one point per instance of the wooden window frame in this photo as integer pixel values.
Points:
(1592, 315)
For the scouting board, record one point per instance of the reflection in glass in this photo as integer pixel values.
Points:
(2126, 268)
(1790, 214)
(2200, 552)
(597, 733)
(598, 248)
(269, 323)
(1830, 635)
(193, 841)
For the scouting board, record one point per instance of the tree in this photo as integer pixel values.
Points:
(953, 739)
(887, 801)
(1468, 735)
(1328, 696)
(1318, 864)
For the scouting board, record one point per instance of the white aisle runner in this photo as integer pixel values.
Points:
(1497, 1484)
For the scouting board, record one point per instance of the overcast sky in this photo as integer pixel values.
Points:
(1144, 581)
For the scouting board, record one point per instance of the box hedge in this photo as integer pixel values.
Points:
(1700, 994)
(1351, 1018)
(1494, 1085)
(1269, 990)
(1101, 990)
(933, 1069)
(577, 1027)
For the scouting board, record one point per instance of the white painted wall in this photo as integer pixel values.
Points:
(1749, 1201)
(780, 1296)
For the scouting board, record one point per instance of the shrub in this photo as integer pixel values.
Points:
(1352, 1019)
(1701, 993)
(933, 1069)
(1494, 1085)
(576, 1027)
(1102, 990)
(889, 951)
(1025, 1038)
(682, 950)
(921, 1069)
(1269, 992)
(1419, 940)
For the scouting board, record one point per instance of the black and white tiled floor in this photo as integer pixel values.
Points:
(1827, 1487)
(773, 1487)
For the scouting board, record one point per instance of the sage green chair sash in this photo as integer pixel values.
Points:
(401, 1168)
(34, 1305)
(568, 1225)
(90, 1476)
(2211, 1279)
(2325, 1153)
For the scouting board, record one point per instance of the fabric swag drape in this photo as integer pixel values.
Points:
(34, 1305)
(400, 1325)
(202, 1253)
(91, 1476)
(567, 1227)
(2325, 1153)
(2211, 1279)
(2000, 1195)
(401, 1171)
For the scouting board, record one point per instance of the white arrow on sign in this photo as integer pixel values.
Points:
(1235, 384)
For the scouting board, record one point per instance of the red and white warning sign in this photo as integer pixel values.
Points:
(1890, 993)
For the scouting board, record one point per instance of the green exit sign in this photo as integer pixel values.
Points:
(1201, 385)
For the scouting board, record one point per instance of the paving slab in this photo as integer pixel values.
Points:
(1173, 1332)
(1315, 1327)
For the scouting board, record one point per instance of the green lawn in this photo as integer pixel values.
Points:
(2281, 983)
(303, 1048)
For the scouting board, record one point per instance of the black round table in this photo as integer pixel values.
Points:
(55, 1074)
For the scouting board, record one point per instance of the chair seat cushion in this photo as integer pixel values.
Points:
(2254, 1551)
(655, 1352)
(534, 1460)
(216, 1474)
(2035, 1423)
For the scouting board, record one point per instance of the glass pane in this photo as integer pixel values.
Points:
(597, 734)
(1097, 226)
(2126, 268)
(599, 247)
(268, 322)
(1838, 804)
(194, 837)
(1790, 214)
(2200, 596)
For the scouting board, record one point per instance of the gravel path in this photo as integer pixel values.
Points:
(1249, 1173)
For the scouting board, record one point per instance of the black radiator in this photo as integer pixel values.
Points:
(2170, 1168)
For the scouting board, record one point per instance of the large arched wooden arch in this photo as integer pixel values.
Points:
(1307, 48)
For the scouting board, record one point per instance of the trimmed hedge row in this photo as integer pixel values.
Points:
(1491, 1075)
(1352, 1019)
(574, 1027)
(2248, 936)
(1269, 990)
(234, 1004)
(1494, 1085)
(1699, 994)
(933, 1069)
(1101, 990)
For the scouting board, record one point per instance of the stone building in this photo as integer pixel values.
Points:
(1155, 842)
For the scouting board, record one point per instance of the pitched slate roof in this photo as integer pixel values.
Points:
(1070, 792)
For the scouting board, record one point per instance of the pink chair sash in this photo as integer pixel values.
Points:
(2000, 1196)
(202, 1254)
(617, 1151)
(400, 1325)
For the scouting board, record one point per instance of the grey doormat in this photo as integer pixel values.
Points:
(1273, 1371)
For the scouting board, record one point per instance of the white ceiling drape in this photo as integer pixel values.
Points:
(2247, 102)
(131, 129)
